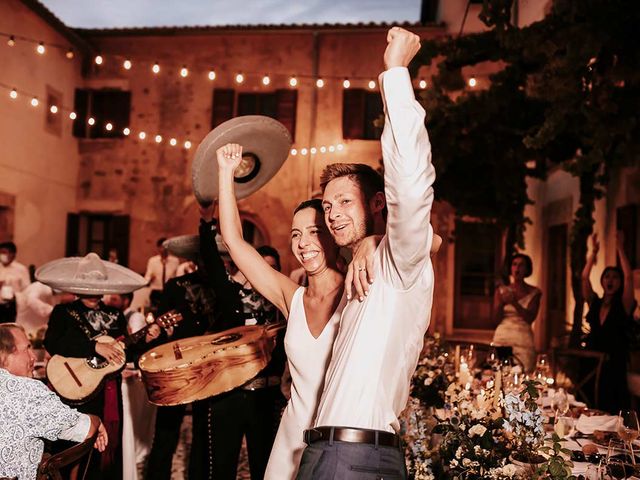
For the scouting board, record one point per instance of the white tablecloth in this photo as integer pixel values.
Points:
(138, 422)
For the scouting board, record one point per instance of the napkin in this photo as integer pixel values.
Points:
(605, 423)
(546, 400)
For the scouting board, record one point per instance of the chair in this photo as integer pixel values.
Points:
(50, 465)
(583, 368)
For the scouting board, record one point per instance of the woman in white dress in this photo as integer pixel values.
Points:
(312, 312)
(516, 307)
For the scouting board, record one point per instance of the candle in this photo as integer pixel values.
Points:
(497, 389)
(456, 359)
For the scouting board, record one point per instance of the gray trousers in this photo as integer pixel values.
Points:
(324, 460)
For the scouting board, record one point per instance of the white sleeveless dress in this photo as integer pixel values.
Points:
(514, 331)
(308, 358)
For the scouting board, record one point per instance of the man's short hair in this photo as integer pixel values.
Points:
(128, 296)
(9, 246)
(7, 340)
(368, 179)
(269, 251)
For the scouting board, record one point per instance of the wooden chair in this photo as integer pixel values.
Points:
(583, 368)
(50, 465)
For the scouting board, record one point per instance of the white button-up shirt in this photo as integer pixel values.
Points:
(377, 347)
(155, 265)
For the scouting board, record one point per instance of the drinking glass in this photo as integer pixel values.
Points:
(564, 426)
(560, 402)
(628, 429)
(594, 472)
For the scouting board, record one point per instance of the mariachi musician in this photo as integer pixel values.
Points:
(72, 332)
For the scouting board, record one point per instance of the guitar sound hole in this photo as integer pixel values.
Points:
(97, 363)
(227, 339)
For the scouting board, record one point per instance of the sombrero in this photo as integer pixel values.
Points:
(188, 246)
(265, 143)
(89, 275)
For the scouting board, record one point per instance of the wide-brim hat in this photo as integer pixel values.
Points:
(265, 147)
(89, 275)
(188, 246)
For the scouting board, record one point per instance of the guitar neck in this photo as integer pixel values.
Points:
(170, 318)
(135, 337)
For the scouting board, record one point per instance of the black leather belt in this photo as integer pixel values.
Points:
(352, 435)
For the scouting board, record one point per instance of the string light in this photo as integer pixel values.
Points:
(266, 80)
(346, 83)
(98, 59)
(91, 121)
(303, 151)
(293, 81)
(72, 115)
(158, 138)
(173, 142)
(332, 148)
(313, 150)
(372, 84)
(34, 102)
(340, 147)
(156, 68)
(294, 152)
(319, 83)
(12, 41)
(108, 127)
(187, 144)
(127, 64)
(40, 48)
(212, 75)
(239, 78)
(184, 72)
(53, 109)
(422, 84)
(142, 135)
(323, 149)
(13, 93)
(126, 131)
(70, 54)
(472, 82)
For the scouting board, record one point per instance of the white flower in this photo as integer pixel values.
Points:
(478, 430)
(510, 469)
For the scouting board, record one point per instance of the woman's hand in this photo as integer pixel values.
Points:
(102, 439)
(152, 333)
(360, 271)
(229, 156)
(595, 246)
(112, 352)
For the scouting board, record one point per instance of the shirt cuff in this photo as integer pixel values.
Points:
(396, 85)
(77, 433)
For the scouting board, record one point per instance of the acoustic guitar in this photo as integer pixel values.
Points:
(196, 368)
(77, 379)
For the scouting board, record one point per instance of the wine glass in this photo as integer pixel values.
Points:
(564, 426)
(560, 402)
(628, 429)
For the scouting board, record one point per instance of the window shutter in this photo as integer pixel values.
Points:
(353, 113)
(222, 110)
(80, 106)
(73, 234)
(287, 101)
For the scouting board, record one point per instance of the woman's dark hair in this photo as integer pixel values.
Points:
(527, 262)
(314, 203)
(269, 251)
(620, 273)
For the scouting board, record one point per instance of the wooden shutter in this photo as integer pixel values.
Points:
(80, 107)
(119, 237)
(353, 113)
(222, 110)
(286, 106)
(73, 234)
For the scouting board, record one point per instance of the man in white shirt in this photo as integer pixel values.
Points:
(381, 335)
(30, 412)
(14, 277)
(160, 269)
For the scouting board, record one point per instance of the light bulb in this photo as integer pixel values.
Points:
(187, 144)
(212, 75)
(142, 135)
(323, 149)
(313, 150)
(40, 48)
(266, 80)
(173, 142)
(332, 148)
(346, 83)
(127, 64)
(70, 54)
(126, 131)
(34, 102)
(156, 68)
(339, 147)
(184, 72)
(98, 60)
(239, 78)
(158, 138)
(423, 84)
(294, 152)
(319, 83)
(12, 41)
(473, 82)
(372, 84)
(303, 151)
(72, 115)
(91, 121)
(293, 81)
(53, 109)
(13, 93)
(108, 127)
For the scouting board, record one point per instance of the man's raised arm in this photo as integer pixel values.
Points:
(409, 173)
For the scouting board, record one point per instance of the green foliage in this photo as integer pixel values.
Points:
(556, 467)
